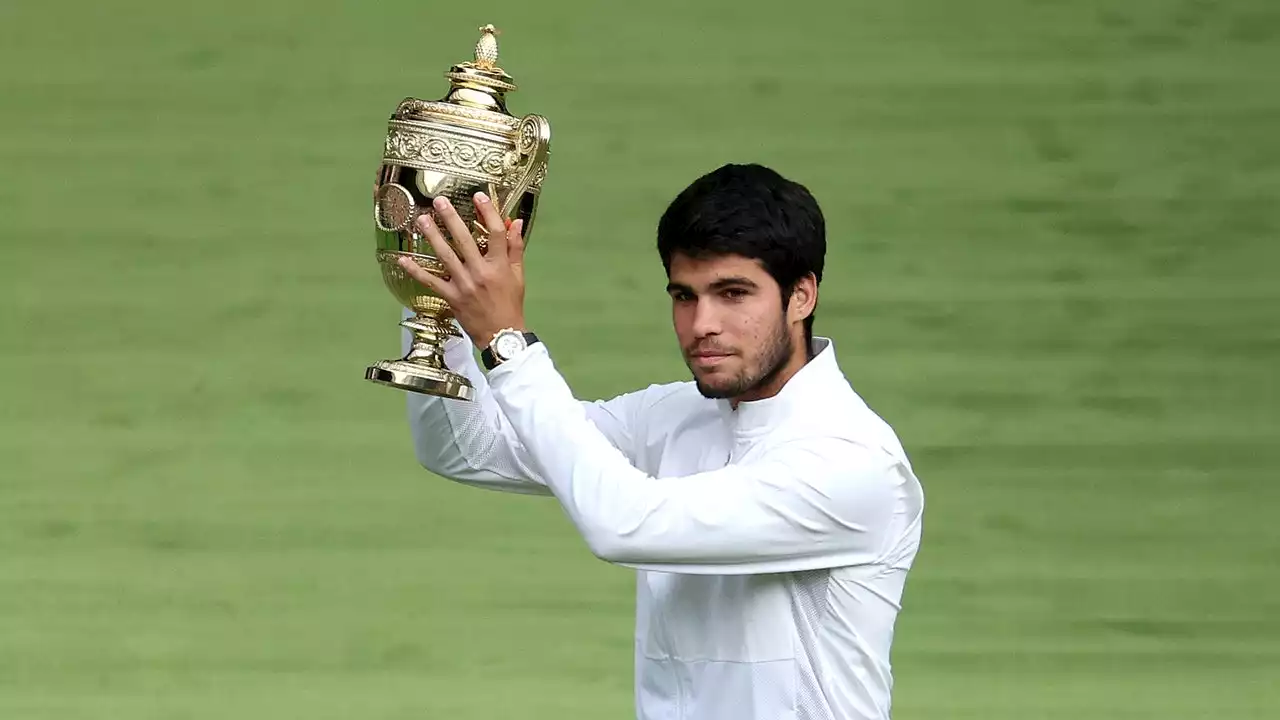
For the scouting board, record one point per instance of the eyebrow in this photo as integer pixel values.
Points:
(733, 281)
(722, 283)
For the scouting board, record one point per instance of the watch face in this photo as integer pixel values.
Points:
(508, 344)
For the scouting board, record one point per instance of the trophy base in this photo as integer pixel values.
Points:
(420, 379)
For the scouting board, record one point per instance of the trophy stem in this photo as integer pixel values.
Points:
(422, 369)
(429, 336)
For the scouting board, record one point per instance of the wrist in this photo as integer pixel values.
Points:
(485, 338)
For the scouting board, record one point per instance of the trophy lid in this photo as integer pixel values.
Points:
(476, 97)
(480, 83)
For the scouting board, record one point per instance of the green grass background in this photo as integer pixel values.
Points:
(1053, 247)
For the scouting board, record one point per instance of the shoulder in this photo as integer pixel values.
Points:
(831, 455)
(842, 414)
(840, 443)
(858, 481)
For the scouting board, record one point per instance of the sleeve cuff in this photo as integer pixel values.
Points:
(535, 353)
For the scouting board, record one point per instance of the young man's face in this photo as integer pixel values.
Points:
(729, 319)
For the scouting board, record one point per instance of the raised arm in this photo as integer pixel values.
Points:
(474, 443)
(809, 504)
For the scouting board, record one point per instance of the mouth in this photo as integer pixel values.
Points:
(707, 359)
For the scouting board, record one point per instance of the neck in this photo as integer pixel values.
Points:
(801, 354)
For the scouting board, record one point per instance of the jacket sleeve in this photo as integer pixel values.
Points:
(473, 442)
(807, 504)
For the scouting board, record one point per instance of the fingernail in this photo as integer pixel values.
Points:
(481, 197)
(441, 202)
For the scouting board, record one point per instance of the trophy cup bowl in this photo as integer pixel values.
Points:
(465, 143)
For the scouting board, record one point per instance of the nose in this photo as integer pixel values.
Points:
(706, 319)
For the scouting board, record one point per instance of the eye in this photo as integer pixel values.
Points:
(735, 293)
(681, 296)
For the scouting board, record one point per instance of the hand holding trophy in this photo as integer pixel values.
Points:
(463, 144)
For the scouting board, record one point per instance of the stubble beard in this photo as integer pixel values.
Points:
(777, 351)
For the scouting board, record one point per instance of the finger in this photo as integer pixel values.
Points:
(462, 240)
(493, 222)
(515, 242)
(443, 251)
(440, 286)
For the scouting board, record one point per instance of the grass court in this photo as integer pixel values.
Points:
(1053, 251)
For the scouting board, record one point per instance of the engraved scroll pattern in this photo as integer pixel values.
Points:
(447, 152)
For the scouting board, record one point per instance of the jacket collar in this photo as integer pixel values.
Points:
(803, 393)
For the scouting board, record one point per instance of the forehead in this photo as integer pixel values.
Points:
(701, 271)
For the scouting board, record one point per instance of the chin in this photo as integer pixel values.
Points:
(716, 387)
(712, 392)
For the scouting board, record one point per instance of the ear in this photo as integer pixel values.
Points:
(804, 298)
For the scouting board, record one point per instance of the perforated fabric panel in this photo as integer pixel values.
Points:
(808, 610)
(478, 428)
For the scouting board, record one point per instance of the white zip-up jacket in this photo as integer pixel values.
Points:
(772, 541)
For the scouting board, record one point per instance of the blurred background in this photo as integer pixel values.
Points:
(1053, 245)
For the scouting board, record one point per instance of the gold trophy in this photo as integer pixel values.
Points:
(460, 145)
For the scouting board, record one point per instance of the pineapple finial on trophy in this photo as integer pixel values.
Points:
(487, 48)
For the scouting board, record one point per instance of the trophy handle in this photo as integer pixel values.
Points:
(534, 147)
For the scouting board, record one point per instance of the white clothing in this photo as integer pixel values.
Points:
(771, 542)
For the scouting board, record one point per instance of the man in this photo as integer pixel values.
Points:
(771, 515)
